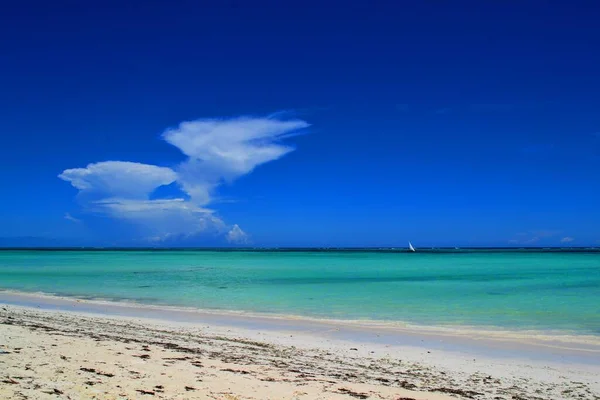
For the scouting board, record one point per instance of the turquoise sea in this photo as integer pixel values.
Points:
(542, 290)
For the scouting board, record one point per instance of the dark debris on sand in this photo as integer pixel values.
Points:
(94, 371)
(327, 366)
(470, 394)
(353, 394)
(146, 392)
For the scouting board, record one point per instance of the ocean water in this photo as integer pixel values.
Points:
(558, 291)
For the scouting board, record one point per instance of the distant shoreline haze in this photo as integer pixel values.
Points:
(317, 249)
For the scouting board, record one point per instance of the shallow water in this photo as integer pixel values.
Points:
(507, 289)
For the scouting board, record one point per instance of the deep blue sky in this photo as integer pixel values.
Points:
(444, 123)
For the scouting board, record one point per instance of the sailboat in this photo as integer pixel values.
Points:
(410, 247)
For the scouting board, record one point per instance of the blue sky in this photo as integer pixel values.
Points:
(300, 123)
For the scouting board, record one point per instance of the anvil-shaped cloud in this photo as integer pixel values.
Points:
(216, 150)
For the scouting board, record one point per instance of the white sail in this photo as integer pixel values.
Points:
(410, 246)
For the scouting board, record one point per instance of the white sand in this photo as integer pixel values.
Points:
(83, 355)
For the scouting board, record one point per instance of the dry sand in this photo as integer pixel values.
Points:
(51, 354)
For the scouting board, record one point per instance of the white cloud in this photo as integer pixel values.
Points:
(119, 178)
(217, 150)
(532, 237)
(132, 207)
(225, 149)
(545, 233)
(233, 147)
(237, 235)
(71, 218)
(530, 240)
(163, 218)
(567, 239)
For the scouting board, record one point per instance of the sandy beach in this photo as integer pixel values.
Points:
(52, 352)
